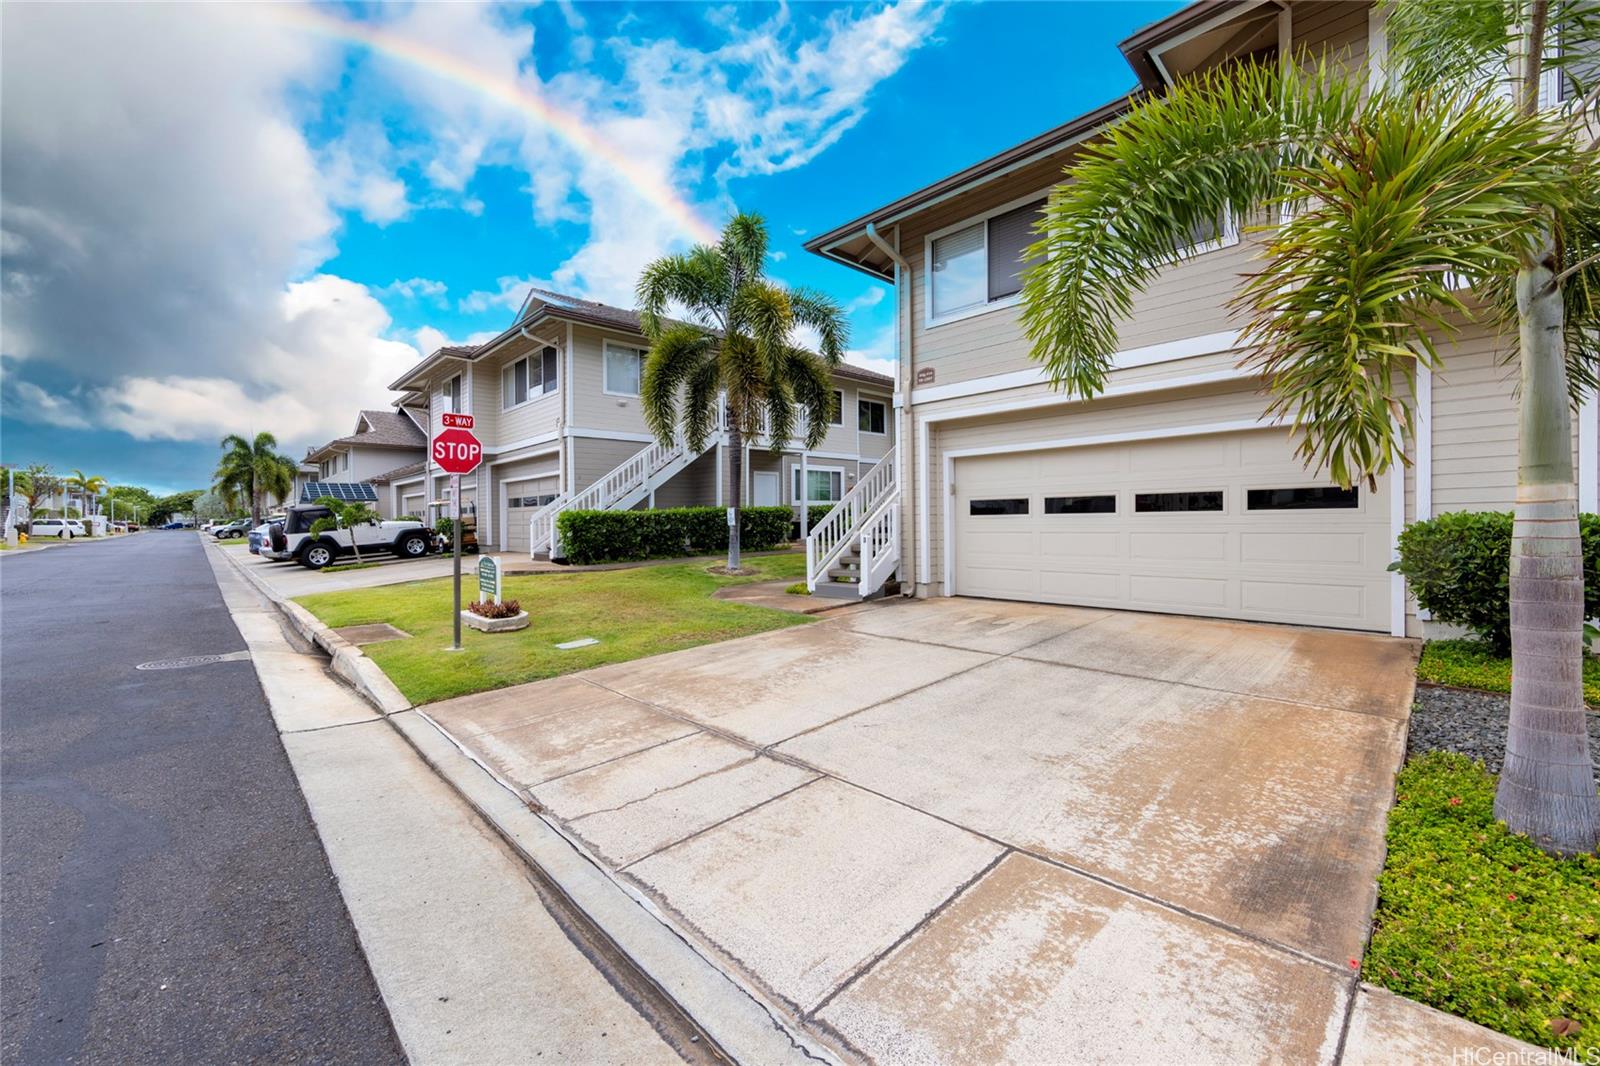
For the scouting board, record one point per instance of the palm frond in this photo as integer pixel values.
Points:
(744, 380)
(1425, 195)
(1467, 44)
(689, 280)
(675, 356)
(701, 403)
(810, 381)
(744, 245)
(1171, 168)
(822, 313)
(761, 310)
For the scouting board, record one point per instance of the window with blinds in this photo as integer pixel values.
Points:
(1010, 235)
(981, 263)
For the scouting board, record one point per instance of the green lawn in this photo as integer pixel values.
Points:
(1478, 922)
(234, 540)
(633, 613)
(1470, 664)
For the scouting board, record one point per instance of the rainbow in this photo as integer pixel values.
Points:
(564, 124)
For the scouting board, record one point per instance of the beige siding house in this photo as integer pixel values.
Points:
(383, 446)
(1173, 491)
(555, 401)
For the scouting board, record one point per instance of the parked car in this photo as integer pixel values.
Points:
(237, 528)
(64, 528)
(406, 538)
(173, 525)
(258, 536)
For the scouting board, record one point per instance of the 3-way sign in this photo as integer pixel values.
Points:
(455, 449)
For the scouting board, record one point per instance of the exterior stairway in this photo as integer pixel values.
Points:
(854, 552)
(621, 489)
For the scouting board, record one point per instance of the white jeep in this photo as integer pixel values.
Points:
(293, 540)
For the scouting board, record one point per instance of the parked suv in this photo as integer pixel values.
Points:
(65, 528)
(406, 538)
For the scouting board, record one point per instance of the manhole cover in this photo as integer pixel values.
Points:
(193, 660)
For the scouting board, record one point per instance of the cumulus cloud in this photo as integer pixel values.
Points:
(415, 289)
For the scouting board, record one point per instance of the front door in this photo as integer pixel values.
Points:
(766, 488)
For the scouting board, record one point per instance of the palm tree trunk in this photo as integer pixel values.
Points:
(735, 483)
(1547, 788)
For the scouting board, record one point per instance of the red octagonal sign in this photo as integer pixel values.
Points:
(457, 451)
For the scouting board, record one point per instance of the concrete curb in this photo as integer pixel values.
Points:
(348, 661)
(744, 1026)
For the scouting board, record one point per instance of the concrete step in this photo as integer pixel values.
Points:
(838, 590)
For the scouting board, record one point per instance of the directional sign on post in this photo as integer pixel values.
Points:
(456, 451)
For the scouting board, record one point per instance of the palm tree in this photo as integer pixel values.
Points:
(737, 348)
(251, 470)
(87, 487)
(1403, 212)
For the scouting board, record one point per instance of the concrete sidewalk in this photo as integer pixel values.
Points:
(965, 831)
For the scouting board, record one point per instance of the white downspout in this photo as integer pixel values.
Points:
(902, 383)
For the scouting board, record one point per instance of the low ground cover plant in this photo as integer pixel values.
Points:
(616, 536)
(1479, 922)
(491, 609)
(1458, 566)
(1474, 664)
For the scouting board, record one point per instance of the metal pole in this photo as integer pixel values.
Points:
(455, 535)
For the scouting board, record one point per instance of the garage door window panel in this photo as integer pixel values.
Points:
(1097, 504)
(996, 508)
(1308, 498)
(1206, 500)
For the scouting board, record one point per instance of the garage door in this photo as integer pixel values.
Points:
(413, 504)
(1229, 526)
(523, 498)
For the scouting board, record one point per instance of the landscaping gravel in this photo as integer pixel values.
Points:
(1472, 723)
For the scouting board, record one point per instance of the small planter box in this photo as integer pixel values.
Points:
(495, 625)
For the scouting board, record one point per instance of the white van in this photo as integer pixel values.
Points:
(65, 528)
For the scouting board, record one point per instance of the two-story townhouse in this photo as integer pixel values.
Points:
(1172, 491)
(383, 445)
(555, 401)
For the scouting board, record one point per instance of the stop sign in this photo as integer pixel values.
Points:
(457, 451)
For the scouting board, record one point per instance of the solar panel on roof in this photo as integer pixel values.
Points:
(343, 491)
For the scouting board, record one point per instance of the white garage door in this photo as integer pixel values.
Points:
(523, 498)
(414, 504)
(1228, 525)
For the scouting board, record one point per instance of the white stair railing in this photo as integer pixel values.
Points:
(838, 530)
(632, 474)
(880, 545)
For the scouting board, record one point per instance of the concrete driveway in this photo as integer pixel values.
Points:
(964, 830)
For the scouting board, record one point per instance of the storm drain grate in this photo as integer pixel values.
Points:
(193, 660)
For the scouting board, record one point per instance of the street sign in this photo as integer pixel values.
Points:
(457, 451)
(452, 420)
(488, 578)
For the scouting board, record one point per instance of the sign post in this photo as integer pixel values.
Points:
(456, 451)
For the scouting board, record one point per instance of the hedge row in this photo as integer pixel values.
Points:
(1458, 566)
(614, 536)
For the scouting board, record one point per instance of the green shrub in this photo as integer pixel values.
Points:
(1458, 566)
(614, 536)
(445, 527)
(1477, 921)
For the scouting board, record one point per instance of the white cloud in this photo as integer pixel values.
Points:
(869, 298)
(878, 354)
(358, 172)
(510, 293)
(28, 401)
(429, 340)
(415, 289)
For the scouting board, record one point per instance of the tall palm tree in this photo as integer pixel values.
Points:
(251, 470)
(1401, 212)
(737, 343)
(88, 487)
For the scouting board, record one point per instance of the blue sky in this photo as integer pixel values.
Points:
(239, 220)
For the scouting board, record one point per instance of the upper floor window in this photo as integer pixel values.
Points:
(836, 413)
(452, 395)
(622, 369)
(981, 263)
(528, 378)
(874, 416)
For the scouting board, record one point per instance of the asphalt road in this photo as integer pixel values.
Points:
(166, 897)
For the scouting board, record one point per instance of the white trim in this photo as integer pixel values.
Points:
(408, 480)
(1127, 359)
(1397, 522)
(568, 458)
(1285, 37)
(606, 344)
(950, 457)
(1190, 34)
(610, 434)
(520, 458)
(1589, 454)
(528, 442)
(883, 402)
(1424, 462)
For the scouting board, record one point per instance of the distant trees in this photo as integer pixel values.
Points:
(250, 471)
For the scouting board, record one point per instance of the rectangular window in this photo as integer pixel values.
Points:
(998, 507)
(513, 384)
(622, 370)
(1315, 498)
(548, 376)
(874, 416)
(1080, 504)
(827, 486)
(1164, 502)
(452, 395)
(1010, 235)
(836, 415)
(959, 270)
